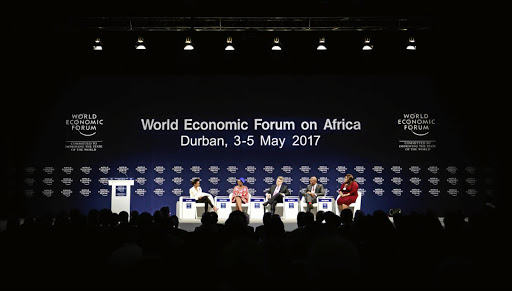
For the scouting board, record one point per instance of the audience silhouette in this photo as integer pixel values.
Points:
(142, 250)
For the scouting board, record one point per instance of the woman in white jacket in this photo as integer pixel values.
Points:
(197, 193)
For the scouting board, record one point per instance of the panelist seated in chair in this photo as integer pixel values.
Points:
(313, 190)
(197, 193)
(240, 194)
(275, 194)
(348, 192)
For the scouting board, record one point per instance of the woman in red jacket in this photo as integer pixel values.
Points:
(348, 192)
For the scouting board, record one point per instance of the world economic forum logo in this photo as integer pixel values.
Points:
(141, 192)
(251, 180)
(378, 191)
(177, 180)
(104, 169)
(397, 192)
(250, 169)
(416, 192)
(453, 192)
(214, 169)
(419, 124)
(434, 192)
(177, 191)
(103, 192)
(47, 181)
(66, 192)
(287, 169)
(67, 170)
(305, 169)
(49, 170)
(397, 180)
(214, 180)
(122, 169)
(471, 181)
(232, 169)
(159, 169)
(67, 181)
(323, 169)
(141, 169)
(378, 180)
(86, 170)
(415, 180)
(141, 180)
(434, 180)
(195, 169)
(47, 192)
(159, 180)
(85, 123)
(85, 181)
(452, 169)
(433, 169)
(85, 192)
(378, 169)
(472, 192)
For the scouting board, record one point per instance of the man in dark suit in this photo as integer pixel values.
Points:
(275, 194)
(313, 190)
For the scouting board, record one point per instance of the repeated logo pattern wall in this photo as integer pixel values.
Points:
(421, 182)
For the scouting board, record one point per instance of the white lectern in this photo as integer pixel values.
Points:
(120, 194)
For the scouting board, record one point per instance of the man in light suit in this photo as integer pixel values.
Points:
(275, 194)
(313, 190)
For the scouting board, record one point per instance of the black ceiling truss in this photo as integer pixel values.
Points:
(252, 23)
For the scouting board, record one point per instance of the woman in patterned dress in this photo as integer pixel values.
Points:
(240, 194)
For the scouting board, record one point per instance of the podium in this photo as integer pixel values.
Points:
(121, 189)
(291, 207)
(256, 209)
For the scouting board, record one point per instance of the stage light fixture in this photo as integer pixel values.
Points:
(277, 44)
(188, 44)
(321, 45)
(367, 46)
(97, 45)
(140, 44)
(412, 44)
(229, 46)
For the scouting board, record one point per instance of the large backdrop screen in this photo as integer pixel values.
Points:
(395, 134)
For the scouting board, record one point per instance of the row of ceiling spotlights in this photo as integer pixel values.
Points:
(367, 44)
